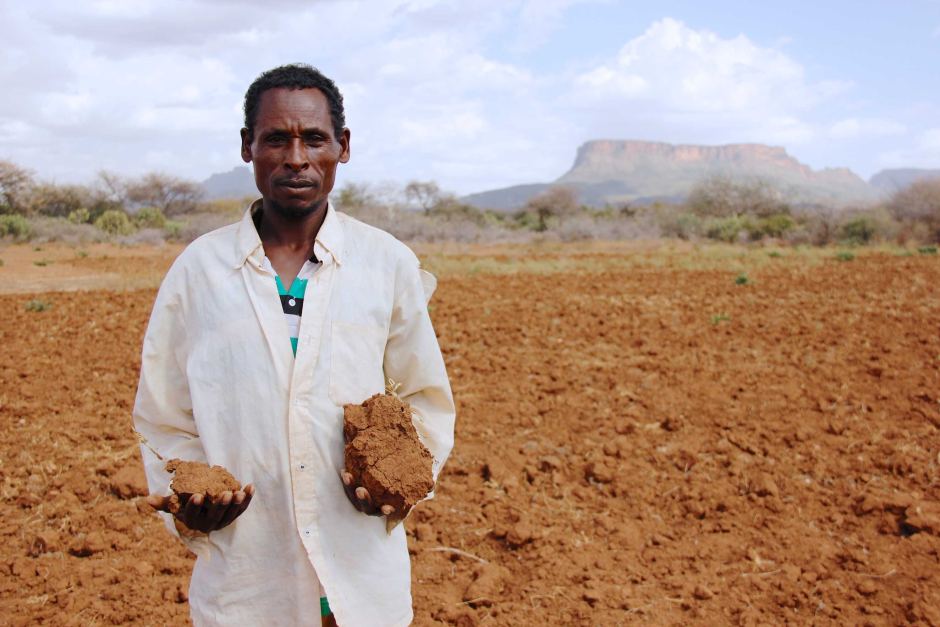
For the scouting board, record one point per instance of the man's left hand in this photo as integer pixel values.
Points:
(361, 499)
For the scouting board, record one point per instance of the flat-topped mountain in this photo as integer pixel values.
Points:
(609, 171)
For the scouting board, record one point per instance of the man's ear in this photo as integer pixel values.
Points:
(246, 146)
(344, 142)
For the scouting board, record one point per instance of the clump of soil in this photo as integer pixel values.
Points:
(384, 454)
(198, 478)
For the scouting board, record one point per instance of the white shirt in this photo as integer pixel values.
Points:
(219, 383)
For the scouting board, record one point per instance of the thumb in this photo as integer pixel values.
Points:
(159, 503)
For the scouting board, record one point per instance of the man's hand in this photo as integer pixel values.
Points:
(361, 499)
(200, 514)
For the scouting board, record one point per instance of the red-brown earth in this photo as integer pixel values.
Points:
(634, 444)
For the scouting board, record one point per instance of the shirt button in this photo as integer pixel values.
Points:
(303, 467)
(292, 302)
(307, 533)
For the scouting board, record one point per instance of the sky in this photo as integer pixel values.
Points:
(473, 95)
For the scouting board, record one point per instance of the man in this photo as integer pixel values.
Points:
(261, 332)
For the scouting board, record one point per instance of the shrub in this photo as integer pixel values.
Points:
(776, 226)
(153, 237)
(741, 279)
(150, 218)
(15, 226)
(727, 229)
(173, 229)
(845, 255)
(38, 305)
(80, 216)
(114, 222)
(683, 225)
(62, 230)
(927, 250)
(858, 231)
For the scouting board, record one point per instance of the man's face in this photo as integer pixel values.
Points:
(294, 150)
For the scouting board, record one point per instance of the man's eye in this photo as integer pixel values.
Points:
(276, 139)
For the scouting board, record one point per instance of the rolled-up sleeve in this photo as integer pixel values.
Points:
(162, 410)
(413, 360)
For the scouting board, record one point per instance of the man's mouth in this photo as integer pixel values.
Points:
(297, 183)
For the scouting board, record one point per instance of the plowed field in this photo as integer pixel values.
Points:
(637, 442)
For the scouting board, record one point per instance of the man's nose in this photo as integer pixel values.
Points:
(296, 157)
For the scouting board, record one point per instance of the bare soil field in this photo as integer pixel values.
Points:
(642, 437)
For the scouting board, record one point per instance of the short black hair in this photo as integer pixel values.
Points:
(294, 76)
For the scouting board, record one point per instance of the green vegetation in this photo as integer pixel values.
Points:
(173, 228)
(14, 226)
(844, 255)
(150, 218)
(927, 250)
(858, 231)
(38, 305)
(42, 262)
(114, 222)
(80, 216)
(719, 318)
(741, 279)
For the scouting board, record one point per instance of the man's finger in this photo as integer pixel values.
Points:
(387, 510)
(217, 511)
(193, 514)
(159, 503)
(240, 501)
(365, 499)
(346, 478)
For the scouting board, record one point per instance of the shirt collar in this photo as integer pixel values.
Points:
(329, 241)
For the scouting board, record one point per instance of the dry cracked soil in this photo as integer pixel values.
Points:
(647, 443)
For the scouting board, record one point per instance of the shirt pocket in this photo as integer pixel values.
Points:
(356, 372)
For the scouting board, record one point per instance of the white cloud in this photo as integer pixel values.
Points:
(675, 83)
(855, 128)
(433, 89)
(685, 69)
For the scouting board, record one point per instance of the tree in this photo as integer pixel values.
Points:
(172, 195)
(425, 194)
(551, 204)
(919, 202)
(723, 197)
(15, 183)
(58, 201)
(353, 196)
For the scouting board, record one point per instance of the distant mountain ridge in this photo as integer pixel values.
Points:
(236, 183)
(890, 181)
(640, 172)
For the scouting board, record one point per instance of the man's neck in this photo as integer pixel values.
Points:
(289, 233)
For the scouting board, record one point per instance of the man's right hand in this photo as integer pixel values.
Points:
(200, 514)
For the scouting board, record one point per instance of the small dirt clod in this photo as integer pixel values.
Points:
(384, 455)
(198, 478)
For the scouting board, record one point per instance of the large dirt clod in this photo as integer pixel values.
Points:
(384, 455)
